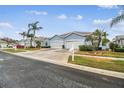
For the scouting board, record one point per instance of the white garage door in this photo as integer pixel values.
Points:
(56, 44)
(75, 44)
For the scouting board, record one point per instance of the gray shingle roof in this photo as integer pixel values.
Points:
(75, 32)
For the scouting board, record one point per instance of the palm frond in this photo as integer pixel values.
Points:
(36, 22)
(38, 28)
(117, 20)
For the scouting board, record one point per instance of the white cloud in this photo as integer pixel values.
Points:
(78, 17)
(35, 12)
(5, 25)
(102, 22)
(107, 6)
(62, 16)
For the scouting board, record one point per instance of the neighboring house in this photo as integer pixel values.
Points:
(68, 39)
(46, 42)
(3, 44)
(26, 42)
(119, 40)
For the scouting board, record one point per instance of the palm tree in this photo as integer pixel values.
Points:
(105, 40)
(97, 38)
(100, 38)
(119, 18)
(98, 33)
(90, 38)
(31, 36)
(23, 34)
(33, 27)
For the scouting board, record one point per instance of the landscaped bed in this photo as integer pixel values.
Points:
(102, 53)
(108, 64)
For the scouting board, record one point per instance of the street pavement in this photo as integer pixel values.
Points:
(19, 72)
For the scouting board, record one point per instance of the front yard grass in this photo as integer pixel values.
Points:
(107, 64)
(102, 53)
(20, 50)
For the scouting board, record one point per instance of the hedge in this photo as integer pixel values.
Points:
(85, 48)
(119, 50)
(45, 46)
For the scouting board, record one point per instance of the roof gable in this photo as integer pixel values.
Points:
(56, 36)
(83, 34)
(74, 35)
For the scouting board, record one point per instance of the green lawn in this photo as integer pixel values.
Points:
(102, 53)
(114, 65)
(20, 50)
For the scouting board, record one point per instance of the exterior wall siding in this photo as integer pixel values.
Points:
(74, 40)
(56, 42)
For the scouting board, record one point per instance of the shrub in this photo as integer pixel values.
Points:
(119, 50)
(85, 48)
(113, 46)
(45, 46)
(38, 44)
(31, 47)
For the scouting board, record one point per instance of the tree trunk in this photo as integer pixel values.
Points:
(24, 42)
(31, 42)
(99, 41)
(34, 37)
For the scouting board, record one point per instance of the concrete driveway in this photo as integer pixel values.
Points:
(55, 55)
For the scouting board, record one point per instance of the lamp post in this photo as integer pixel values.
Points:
(72, 52)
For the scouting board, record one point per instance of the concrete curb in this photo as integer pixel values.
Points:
(79, 67)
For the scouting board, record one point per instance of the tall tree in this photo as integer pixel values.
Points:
(31, 36)
(90, 38)
(97, 37)
(24, 34)
(33, 27)
(98, 33)
(104, 39)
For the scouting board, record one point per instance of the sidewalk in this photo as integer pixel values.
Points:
(99, 57)
(79, 67)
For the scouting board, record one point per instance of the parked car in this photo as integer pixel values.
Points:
(19, 46)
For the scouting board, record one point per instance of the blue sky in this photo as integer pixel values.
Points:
(58, 19)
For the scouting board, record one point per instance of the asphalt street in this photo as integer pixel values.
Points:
(19, 72)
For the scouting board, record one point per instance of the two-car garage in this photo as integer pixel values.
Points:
(56, 44)
(68, 40)
(74, 43)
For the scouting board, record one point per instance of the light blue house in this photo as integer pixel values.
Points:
(68, 39)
